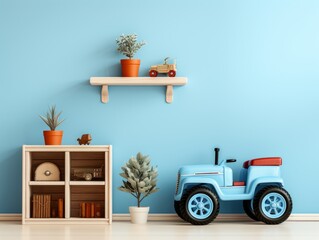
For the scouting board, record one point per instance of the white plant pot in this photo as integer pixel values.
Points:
(139, 214)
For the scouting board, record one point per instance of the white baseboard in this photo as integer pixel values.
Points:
(220, 217)
(10, 217)
(174, 217)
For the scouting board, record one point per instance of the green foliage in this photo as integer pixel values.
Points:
(128, 45)
(52, 118)
(140, 177)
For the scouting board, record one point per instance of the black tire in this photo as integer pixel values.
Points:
(267, 213)
(177, 209)
(213, 203)
(247, 205)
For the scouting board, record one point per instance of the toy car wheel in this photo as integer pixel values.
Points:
(172, 73)
(153, 73)
(177, 205)
(248, 208)
(272, 205)
(88, 176)
(199, 206)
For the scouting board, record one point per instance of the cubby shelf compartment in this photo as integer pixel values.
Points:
(169, 82)
(73, 192)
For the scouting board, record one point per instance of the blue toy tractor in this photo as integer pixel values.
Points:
(199, 189)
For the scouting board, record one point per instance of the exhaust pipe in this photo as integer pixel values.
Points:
(216, 155)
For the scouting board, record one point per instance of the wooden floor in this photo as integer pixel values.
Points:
(10, 230)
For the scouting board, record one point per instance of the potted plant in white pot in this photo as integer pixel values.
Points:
(52, 136)
(128, 46)
(140, 181)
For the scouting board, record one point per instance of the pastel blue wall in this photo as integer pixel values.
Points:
(253, 87)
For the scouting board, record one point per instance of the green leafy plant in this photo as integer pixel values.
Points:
(128, 45)
(140, 177)
(52, 118)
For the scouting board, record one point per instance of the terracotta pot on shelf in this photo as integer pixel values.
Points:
(53, 137)
(130, 67)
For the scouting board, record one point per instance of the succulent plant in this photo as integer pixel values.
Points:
(140, 177)
(52, 118)
(128, 45)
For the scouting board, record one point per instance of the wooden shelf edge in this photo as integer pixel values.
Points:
(65, 148)
(46, 183)
(67, 221)
(87, 183)
(138, 81)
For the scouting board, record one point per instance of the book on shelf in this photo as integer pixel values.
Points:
(90, 210)
(60, 208)
(98, 212)
(83, 210)
(48, 208)
(41, 205)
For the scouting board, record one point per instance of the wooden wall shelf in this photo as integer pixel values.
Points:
(169, 82)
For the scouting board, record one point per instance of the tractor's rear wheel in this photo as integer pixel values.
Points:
(248, 208)
(272, 205)
(199, 206)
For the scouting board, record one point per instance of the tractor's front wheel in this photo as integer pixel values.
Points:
(172, 73)
(272, 205)
(199, 206)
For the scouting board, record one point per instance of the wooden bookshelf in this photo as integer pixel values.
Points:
(73, 190)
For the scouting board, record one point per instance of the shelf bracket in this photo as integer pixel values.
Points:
(169, 93)
(105, 94)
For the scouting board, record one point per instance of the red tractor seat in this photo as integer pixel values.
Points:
(269, 161)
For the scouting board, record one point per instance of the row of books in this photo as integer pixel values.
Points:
(90, 210)
(42, 206)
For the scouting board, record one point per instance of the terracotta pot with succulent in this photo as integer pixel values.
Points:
(140, 181)
(52, 137)
(128, 46)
